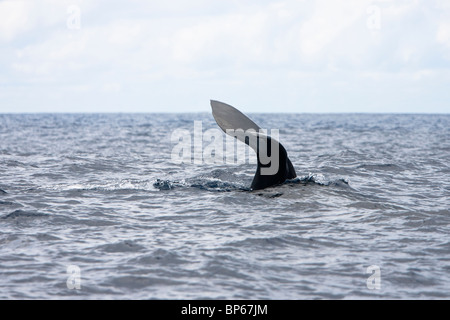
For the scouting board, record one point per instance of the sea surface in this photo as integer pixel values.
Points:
(93, 206)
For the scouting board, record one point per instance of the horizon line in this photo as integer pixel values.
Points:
(249, 112)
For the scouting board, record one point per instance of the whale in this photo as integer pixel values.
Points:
(273, 164)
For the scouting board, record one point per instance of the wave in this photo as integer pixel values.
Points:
(216, 181)
(218, 185)
(122, 185)
(380, 167)
(23, 214)
(318, 179)
(7, 203)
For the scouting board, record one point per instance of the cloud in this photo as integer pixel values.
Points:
(443, 33)
(255, 52)
(327, 22)
(19, 17)
(14, 19)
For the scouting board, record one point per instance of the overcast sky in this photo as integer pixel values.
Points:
(260, 56)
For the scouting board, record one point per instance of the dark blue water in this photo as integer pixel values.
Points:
(100, 193)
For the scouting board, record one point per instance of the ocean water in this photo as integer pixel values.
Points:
(93, 207)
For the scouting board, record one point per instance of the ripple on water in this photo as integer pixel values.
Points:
(100, 192)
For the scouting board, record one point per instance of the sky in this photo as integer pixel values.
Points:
(259, 56)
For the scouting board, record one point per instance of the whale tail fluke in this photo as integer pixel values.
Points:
(274, 166)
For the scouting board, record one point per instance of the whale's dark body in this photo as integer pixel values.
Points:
(229, 118)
